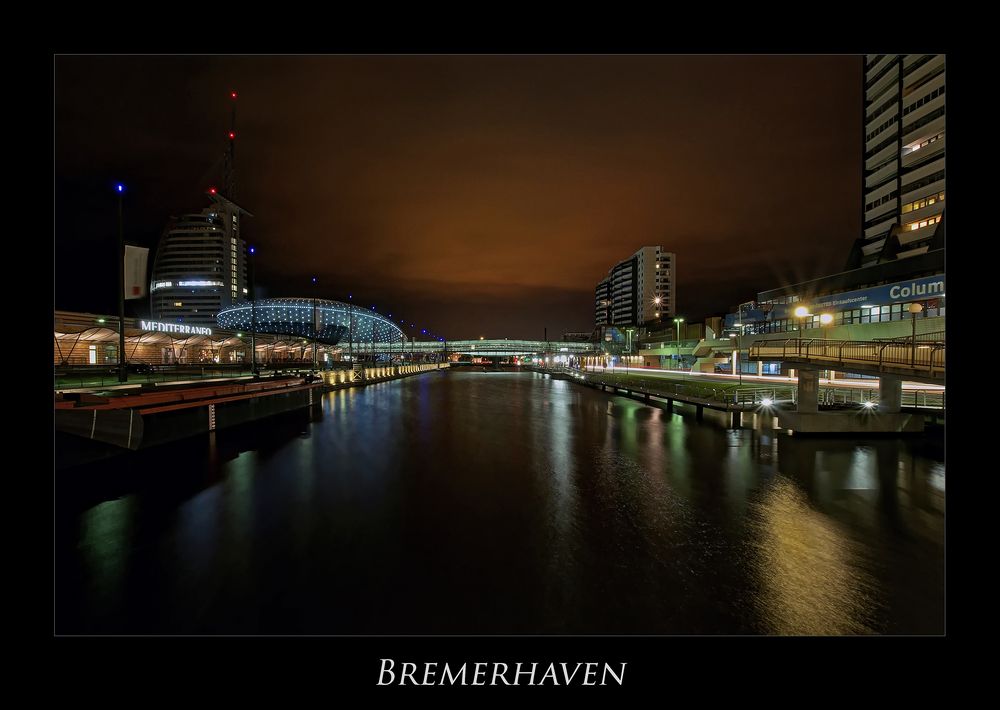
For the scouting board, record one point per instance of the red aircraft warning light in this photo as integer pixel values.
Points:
(211, 191)
(232, 135)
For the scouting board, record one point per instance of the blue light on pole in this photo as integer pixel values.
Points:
(120, 187)
(253, 250)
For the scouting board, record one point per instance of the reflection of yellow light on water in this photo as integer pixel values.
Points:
(806, 566)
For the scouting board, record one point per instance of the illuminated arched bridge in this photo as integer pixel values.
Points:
(322, 320)
(503, 348)
(348, 326)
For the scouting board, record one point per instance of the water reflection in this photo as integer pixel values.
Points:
(806, 569)
(504, 503)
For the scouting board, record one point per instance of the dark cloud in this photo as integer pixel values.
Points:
(463, 191)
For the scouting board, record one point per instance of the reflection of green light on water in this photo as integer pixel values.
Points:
(105, 543)
(239, 492)
(738, 469)
(862, 473)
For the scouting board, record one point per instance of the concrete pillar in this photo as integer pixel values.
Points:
(670, 406)
(760, 368)
(737, 420)
(890, 393)
(833, 375)
(808, 391)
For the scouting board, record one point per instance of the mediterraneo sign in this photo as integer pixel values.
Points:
(174, 328)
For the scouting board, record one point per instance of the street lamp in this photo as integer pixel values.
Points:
(825, 319)
(315, 324)
(801, 313)
(677, 336)
(253, 316)
(914, 309)
(735, 357)
(122, 369)
(628, 356)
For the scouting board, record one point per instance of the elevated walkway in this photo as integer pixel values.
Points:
(915, 360)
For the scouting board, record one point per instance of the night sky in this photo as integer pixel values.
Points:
(473, 195)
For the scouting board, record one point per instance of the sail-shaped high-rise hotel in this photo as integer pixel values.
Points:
(201, 263)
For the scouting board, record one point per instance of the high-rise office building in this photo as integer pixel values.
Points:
(639, 290)
(200, 266)
(903, 171)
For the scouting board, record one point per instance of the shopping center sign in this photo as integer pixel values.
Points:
(916, 290)
(174, 328)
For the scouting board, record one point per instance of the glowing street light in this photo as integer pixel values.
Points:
(801, 313)
(122, 369)
(628, 333)
(677, 338)
(735, 356)
(914, 309)
(253, 312)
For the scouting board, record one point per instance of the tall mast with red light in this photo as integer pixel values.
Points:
(230, 176)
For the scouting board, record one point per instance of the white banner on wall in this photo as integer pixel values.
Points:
(135, 271)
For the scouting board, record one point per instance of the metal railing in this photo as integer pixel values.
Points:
(747, 396)
(937, 336)
(917, 399)
(103, 376)
(75, 377)
(715, 393)
(924, 356)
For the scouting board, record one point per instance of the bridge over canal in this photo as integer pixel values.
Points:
(915, 359)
